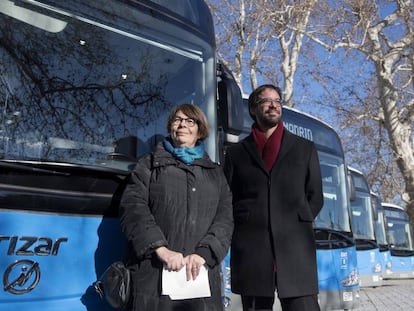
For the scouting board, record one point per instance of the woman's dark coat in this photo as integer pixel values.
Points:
(273, 215)
(184, 207)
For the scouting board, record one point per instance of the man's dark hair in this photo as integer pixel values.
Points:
(254, 96)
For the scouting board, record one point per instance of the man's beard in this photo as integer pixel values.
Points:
(268, 122)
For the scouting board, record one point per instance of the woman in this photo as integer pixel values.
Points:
(176, 212)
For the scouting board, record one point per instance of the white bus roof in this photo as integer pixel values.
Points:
(392, 205)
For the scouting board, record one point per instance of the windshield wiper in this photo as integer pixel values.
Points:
(25, 167)
(336, 233)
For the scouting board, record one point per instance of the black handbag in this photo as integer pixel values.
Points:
(115, 285)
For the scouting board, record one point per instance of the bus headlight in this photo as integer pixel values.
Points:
(351, 279)
(227, 280)
(377, 268)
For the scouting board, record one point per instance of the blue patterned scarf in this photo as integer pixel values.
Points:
(185, 154)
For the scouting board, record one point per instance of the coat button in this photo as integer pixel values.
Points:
(193, 189)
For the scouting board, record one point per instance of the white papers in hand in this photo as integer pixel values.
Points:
(175, 284)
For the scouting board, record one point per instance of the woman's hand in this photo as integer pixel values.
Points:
(193, 264)
(173, 261)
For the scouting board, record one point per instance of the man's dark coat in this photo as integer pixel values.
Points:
(273, 214)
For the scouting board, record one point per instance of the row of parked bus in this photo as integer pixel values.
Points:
(383, 235)
(86, 88)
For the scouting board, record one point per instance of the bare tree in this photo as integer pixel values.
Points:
(386, 39)
(260, 30)
(290, 20)
(374, 102)
(239, 33)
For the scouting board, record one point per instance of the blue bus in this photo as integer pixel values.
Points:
(86, 88)
(400, 240)
(381, 236)
(363, 218)
(336, 249)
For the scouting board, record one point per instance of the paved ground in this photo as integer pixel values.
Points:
(393, 296)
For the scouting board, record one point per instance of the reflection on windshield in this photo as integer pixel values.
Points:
(88, 94)
(334, 214)
(42, 21)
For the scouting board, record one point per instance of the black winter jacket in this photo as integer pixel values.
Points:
(187, 208)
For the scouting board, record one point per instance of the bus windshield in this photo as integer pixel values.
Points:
(398, 230)
(362, 209)
(96, 88)
(334, 214)
(380, 223)
(380, 229)
(362, 219)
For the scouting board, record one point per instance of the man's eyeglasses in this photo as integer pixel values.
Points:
(190, 122)
(268, 101)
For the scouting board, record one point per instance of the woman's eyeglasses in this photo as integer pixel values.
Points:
(190, 122)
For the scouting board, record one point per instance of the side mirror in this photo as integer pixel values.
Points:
(375, 210)
(229, 102)
(351, 187)
(125, 148)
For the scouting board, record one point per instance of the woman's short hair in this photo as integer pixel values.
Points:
(254, 96)
(193, 112)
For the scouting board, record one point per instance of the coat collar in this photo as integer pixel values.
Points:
(250, 145)
(161, 157)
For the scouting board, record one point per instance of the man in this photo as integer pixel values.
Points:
(277, 193)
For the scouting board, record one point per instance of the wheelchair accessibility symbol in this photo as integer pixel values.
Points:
(21, 277)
